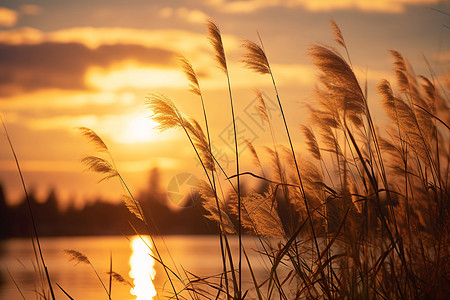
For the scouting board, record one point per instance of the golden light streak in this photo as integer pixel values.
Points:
(142, 268)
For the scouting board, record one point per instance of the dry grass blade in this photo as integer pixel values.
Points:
(311, 141)
(94, 138)
(77, 256)
(216, 41)
(164, 112)
(255, 59)
(190, 74)
(100, 165)
(65, 293)
(338, 37)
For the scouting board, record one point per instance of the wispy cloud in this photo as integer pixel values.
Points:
(384, 6)
(8, 17)
(194, 16)
(94, 37)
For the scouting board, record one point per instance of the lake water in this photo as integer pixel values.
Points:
(199, 255)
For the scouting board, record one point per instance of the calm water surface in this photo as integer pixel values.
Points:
(197, 254)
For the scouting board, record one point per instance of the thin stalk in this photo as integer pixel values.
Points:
(30, 210)
(238, 187)
(138, 207)
(222, 234)
(299, 178)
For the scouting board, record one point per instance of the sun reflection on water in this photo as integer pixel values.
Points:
(142, 268)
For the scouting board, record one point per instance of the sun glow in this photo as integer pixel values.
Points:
(142, 268)
(138, 129)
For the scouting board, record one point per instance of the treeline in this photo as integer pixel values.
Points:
(103, 217)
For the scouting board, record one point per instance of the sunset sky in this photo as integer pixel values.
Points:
(66, 64)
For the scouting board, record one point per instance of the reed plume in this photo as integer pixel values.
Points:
(201, 143)
(262, 214)
(340, 90)
(222, 218)
(165, 113)
(190, 75)
(100, 165)
(338, 37)
(119, 278)
(133, 206)
(254, 58)
(216, 41)
(94, 139)
(261, 107)
(77, 256)
(311, 141)
(254, 154)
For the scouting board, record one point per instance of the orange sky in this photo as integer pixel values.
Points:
(67, 64)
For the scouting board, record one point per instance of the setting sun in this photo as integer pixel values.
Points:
(140, 129)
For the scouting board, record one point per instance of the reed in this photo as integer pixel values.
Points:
(373, 215)
(363, 216)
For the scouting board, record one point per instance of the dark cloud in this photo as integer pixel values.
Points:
(63, 65)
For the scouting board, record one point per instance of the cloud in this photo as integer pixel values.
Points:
(31, 59)
(8, 17)
(180, 41)
(385, 6)
(194, 16)
(166, 12)
(30, 9)
(64, 65)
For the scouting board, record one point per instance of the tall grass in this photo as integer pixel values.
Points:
(364, 216)
(367, 215)
(44, 276)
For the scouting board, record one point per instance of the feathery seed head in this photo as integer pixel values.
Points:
(262, 108)
(201, 143)
(93, 138)
(311, 141)
(190, 74)
(255, 59)
(164, 112)
(99, 165)
(77, 256)
(338, 37)
(216, 41)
